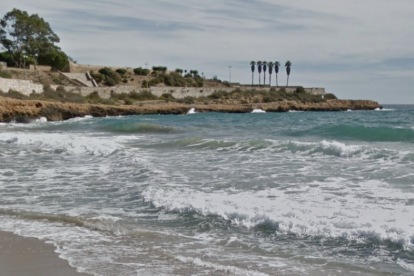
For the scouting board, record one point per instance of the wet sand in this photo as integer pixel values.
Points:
(21, 256)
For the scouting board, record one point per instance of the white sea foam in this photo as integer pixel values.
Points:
(224, 268)
(384, 109)
(313, 209)
(71, 143)
(191, 111)
(326, 147)
(41, 120)
(258, 111)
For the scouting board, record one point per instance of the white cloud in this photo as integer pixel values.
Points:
(344, 45)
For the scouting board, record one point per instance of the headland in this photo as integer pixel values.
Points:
(27, 95)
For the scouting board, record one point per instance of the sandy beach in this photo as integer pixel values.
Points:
(20, 256)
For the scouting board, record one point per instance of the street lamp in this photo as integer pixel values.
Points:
(230, 73)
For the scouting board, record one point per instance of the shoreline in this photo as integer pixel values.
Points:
(21, 256)
(23, 111)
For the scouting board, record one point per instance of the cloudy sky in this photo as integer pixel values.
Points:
(356, 49)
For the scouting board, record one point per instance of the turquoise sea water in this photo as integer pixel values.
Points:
(298, 193)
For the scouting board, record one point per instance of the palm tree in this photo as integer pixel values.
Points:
(288, 65)
(264, 70)
(252, 63)
(277, 65)
(259, 68)
(270, 64)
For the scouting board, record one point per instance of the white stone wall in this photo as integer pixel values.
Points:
(3, 64)
(25, 87)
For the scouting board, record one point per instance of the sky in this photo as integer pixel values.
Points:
(356, 49)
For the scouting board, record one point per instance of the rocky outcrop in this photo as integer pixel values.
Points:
(27, 110)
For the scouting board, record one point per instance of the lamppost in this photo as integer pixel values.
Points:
(230, 73)
(146, 64)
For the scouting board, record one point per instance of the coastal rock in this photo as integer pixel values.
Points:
(25, 111)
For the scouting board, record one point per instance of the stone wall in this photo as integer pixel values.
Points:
(83, 68)
(196, 92)
(42, 68)
(3, 64)
(25, 87)
(103, 92)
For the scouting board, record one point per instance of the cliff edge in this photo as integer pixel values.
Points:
(28, 110)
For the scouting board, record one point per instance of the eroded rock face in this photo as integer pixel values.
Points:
(25, 111)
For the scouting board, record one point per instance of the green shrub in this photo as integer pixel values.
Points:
(5, 74)
(13, 94)
(200, 82)
(160, 68)
(218, 95)
(110, 82)
(167, 97)
(97, 77)
(93, 97)
(112, 78)
(300, 90)
(269, 99)
(59, 95)
(186, 100)
(105, 71)
(143, 96)
(226, 83)
(121, 71)
(128, 101)
(154, 82)
(141, 72)
(330, 96)
(125, 81)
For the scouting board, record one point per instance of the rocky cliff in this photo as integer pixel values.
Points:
(26, 110)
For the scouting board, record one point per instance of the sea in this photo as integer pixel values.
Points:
(295, 193)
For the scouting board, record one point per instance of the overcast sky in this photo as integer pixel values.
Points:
(356, 49)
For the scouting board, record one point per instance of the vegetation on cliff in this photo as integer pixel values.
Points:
(29, 39)
(236, 97)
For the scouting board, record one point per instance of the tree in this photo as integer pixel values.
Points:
(270, 64)
(55, 57)
(277, 65)
(264, 72)
(259, 68)
(23, 34)
(288, 65)
(252, 64)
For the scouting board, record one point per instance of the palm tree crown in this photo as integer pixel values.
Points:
(264, 70)
(259, 68)
(277, 65)
(252, 64)
(270, 64)
(288, 64)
